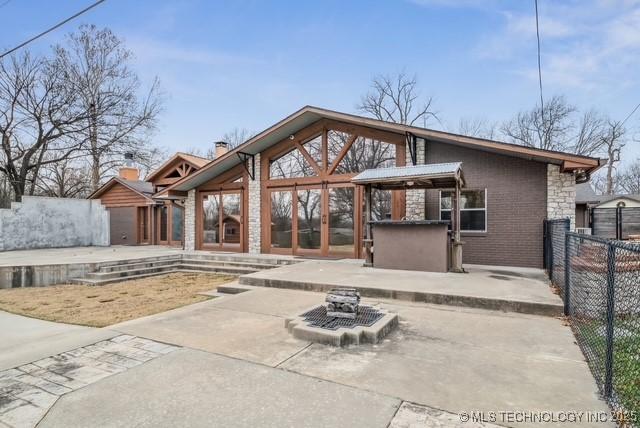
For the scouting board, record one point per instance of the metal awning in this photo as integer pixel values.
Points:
(428, 176)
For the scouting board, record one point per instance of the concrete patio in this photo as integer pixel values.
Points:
(237, 366)
(524, 290)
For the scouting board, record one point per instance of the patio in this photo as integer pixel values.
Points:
(238, 366)
(524, 290)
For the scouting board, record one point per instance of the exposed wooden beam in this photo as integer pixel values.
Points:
(343, 153)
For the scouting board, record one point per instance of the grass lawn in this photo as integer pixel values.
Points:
(100, 306)
(626, 358)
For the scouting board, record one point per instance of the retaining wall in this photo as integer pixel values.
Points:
(41, 222)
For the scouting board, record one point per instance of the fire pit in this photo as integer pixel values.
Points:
(342, 321)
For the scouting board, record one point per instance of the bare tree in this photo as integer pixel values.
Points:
(96, 67)
(40, 120)
(477, 127)
(64, 179)
(630, 178)
(612, 142)
(551, 131)
(397, 99)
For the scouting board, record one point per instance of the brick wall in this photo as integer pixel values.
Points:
(190, 221)
(254, 210)
(516, 205)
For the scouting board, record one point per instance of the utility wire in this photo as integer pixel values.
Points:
(4, 3)
(630, 114)
(58, 25)
(539, 64)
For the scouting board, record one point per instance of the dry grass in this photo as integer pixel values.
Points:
(100, 306)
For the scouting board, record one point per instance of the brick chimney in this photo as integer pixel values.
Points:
(221, 148)
(129, 171)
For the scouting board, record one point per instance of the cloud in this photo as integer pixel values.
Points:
(587, 45)
(151, 51)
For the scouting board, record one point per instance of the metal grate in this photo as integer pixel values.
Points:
(317, 317)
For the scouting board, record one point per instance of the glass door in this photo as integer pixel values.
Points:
(309, 221)
(231, 221)
(341, 221)
(222, 222)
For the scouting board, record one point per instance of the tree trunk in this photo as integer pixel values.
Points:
(95, 150)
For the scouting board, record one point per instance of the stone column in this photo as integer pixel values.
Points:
(254, 210)
(190, 221)
(561, 194)
(415, 199)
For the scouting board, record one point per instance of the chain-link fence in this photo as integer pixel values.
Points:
(599, 281)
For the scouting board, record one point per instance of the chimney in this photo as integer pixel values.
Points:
(129, 170)
(221, 148)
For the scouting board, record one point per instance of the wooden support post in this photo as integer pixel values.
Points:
(368, 238)
(456, 250)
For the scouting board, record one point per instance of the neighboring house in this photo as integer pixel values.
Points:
(137, 215)
(289, 190)
(587, 199)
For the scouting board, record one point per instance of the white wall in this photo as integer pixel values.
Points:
(629, 203)
(39, 222)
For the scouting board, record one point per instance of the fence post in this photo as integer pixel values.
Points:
(567, 274)
(608, 376)
(618, 223)
(550, 227)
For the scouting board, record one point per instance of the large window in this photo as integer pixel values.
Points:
(473, 209)
(290, 165)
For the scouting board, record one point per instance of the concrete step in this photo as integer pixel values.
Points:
(189, 261)
(125, 274)
(87, 281)
(237, 257)
(140, 260)
(139, 265)
(234, 288)
(236, 263)
(525, 307)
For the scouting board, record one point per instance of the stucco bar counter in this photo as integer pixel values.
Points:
(411, 245)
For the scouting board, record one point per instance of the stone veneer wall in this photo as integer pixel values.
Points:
(415, 199)
(561, 194)
(190, 221)
(254, 210)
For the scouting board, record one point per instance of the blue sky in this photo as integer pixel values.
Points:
(249, 63)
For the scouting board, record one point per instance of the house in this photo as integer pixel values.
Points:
(137, 215)
(290, 189)
(587, 200)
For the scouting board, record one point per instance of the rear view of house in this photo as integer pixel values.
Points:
(288, 190)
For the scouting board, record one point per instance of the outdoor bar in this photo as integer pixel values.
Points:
(413, 244)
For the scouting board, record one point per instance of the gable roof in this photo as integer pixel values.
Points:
(309, 114)
(197, 161)
(143, 188)
(586, 194)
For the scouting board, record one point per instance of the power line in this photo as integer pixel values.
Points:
(58, 25)
(539, 63)
(4, 3)
(630, 114)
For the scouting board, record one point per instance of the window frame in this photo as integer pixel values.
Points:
(485, 209)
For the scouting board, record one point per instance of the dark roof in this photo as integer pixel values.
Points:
(139, 186)
(309, 114)
(585, 193)
(142, 188)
